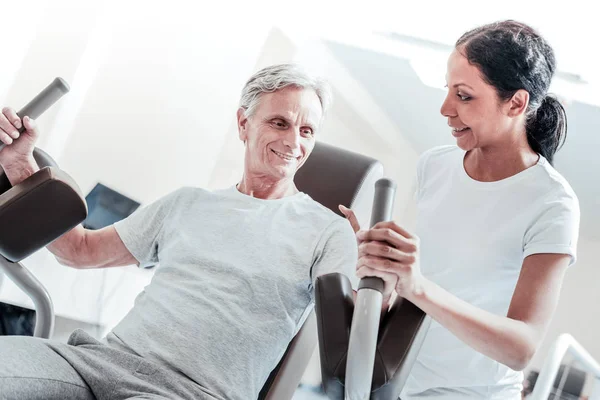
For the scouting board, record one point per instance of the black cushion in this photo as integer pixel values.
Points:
(38, 210)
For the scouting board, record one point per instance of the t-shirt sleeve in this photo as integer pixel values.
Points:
(337, 251)
(556, 230)
(141, 231)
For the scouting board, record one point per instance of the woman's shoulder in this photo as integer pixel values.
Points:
(441, 153)
(553, 182)
(439, 156)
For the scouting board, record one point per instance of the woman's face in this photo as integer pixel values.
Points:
(477, 116)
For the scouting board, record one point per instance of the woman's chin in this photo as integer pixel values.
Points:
(465, 143)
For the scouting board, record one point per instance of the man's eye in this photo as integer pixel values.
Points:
(307, 131)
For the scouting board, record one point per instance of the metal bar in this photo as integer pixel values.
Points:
(564, 344)
(367, 311)
(27, 282)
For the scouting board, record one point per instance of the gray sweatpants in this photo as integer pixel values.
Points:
(85, 368)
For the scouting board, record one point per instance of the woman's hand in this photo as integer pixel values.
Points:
(389, 252)
(363, 271)
(388, 248)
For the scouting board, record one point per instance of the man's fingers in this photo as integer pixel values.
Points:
(12, 116)
(30, 125)
(7, 130)
(4, 138)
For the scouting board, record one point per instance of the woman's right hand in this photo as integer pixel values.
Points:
(19, 146)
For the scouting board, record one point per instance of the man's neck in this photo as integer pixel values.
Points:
(266, 189)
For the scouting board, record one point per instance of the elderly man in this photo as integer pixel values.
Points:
(236, 267)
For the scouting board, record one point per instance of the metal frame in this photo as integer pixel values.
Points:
(44, 308)
(564, 344)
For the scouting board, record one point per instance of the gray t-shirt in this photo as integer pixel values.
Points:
(234, 284)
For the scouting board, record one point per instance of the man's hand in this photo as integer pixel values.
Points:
(363, 269)
(19, 147)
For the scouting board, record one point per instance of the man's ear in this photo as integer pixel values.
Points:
(518, 103)
(242, 122)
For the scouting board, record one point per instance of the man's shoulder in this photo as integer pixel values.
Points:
(312, 206)
(191, 192)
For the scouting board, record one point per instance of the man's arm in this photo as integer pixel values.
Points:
(80, 247)
(83, 248)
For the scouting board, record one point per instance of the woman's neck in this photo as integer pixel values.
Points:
(496, 163)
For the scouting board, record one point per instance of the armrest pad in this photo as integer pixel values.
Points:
(37, 211)
(334, 306)
(401, 335)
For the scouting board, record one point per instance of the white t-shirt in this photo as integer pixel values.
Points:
(474, 238)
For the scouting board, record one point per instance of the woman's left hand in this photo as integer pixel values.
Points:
(388, 248)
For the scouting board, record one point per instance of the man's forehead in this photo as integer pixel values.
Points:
(290, 106)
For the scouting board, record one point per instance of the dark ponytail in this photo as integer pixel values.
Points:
(513, 56)
(547, 128)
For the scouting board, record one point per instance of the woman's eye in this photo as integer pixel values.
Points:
(464, 97)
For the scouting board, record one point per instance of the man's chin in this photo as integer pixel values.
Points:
(285, 172)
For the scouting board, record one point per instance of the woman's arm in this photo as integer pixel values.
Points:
(512, 339)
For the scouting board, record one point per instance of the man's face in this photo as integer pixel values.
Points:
(280, 135)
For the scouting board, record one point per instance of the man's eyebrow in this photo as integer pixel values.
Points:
(278, 116)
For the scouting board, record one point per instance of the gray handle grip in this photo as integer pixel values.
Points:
(43, 101)
(383, 206)
(383, 202)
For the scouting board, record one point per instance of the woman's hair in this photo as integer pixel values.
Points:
(513, 56)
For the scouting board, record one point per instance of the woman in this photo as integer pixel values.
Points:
(497, 225)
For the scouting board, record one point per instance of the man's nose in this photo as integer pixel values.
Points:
(292, 138)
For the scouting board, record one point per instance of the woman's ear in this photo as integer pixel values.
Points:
(518, 103)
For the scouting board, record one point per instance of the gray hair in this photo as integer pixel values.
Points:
(276, 77)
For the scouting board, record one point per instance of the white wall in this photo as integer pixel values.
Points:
(157, 112)
(53, 46)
